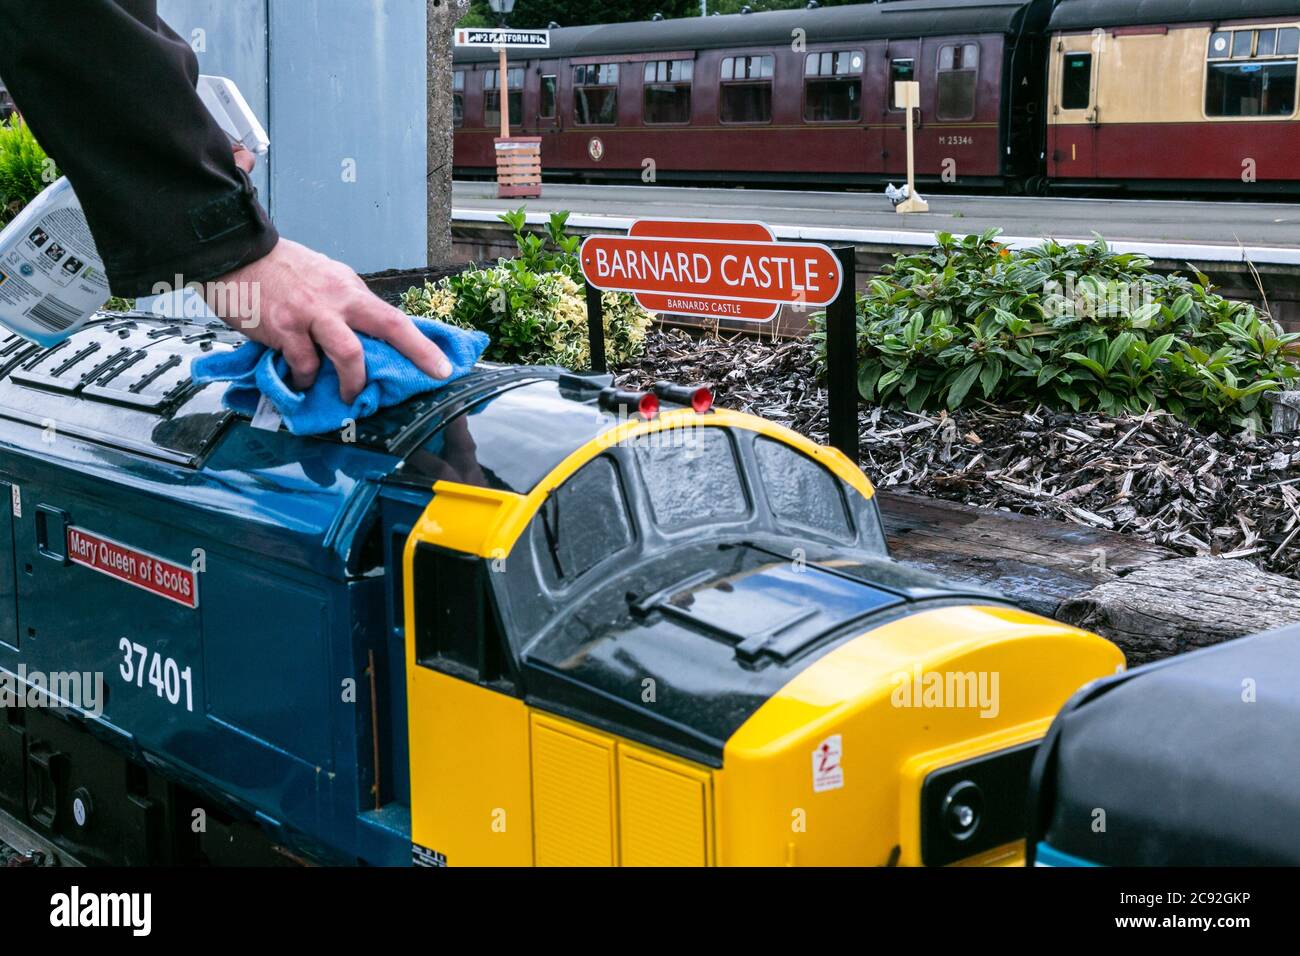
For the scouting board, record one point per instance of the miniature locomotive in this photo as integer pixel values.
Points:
(525, 619)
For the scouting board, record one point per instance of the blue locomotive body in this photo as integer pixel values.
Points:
(280, 692)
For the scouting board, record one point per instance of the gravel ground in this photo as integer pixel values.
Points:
(1151, 476)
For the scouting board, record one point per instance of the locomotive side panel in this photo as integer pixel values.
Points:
(235, 689)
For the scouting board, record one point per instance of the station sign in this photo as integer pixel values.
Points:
(503, 38)
(714, 270)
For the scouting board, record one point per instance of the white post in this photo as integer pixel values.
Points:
(909, 95)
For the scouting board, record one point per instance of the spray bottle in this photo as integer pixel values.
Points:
(52, 278)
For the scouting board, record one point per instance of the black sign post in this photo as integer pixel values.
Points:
(842, 358)
(596, 329)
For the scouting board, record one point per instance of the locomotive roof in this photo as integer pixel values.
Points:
(906, 18)
(119, 397)
(123, 382)
(1089, 14)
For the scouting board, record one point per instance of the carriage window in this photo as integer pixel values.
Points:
(458, 98)
(693, 483)
(802, 493)
(492, 97)
(958, 71)
(900, 71)
(586, 519)
(1076, 81)
(595, 94)
(1220, 44)
(549, 97)
(668, 91)
(1259, 79)
(833, 87)
(746, 95)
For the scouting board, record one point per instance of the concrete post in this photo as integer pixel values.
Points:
(442, 18)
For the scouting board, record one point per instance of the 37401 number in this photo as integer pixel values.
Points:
(163, 673)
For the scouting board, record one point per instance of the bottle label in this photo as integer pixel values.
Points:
(52, 279)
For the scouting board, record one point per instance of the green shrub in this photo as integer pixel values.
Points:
(25, 170)
(534, 306)
(1075, 326)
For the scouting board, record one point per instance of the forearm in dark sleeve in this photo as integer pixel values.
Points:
(108, 91)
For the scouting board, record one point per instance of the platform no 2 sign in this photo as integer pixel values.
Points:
(519, 158)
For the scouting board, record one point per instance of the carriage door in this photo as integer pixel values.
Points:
(902, 63)
(547, 119)
(1072, 124)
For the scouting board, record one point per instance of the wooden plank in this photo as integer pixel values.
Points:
(1180, 605)
(1149, 600)
(1037, 563)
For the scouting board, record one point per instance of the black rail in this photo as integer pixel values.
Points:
(842, 358)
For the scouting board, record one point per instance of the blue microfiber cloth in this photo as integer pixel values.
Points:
(255, 371)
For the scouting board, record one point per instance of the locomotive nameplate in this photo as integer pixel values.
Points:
(133, 566)
(712, 270)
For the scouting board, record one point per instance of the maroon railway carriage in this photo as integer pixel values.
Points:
(786, 96)
(1175, 94)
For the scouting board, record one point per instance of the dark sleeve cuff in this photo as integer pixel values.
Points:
(224, 234)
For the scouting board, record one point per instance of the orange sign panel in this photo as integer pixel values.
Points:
(712, 269)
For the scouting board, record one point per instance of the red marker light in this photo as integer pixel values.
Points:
(648, 406)
(698, 397)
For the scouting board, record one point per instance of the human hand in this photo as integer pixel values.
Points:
(305, 300)
(244, 159)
